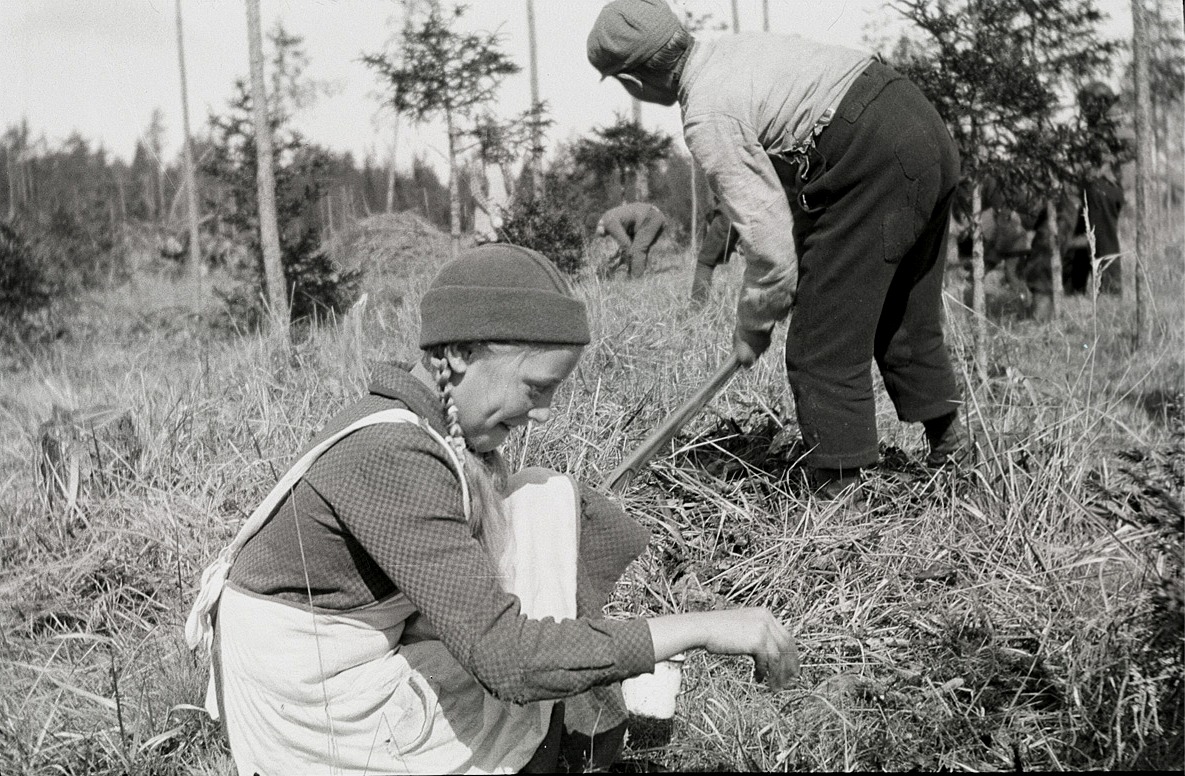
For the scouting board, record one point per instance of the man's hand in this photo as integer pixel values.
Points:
(748, 345)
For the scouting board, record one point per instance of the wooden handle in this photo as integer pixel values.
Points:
(620, 477)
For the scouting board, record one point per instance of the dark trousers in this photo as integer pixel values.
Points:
(720, 240)
(564, 750)
(1104, 201)
(871, 213)
(643, 236)
(646, 234)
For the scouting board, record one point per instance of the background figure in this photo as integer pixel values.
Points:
(720, 242)
(1009, 230)
(1103, 202)
(636, 226)
(1099, 192)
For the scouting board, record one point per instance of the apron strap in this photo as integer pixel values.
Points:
(198, 629)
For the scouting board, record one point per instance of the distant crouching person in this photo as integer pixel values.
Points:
(636, 227)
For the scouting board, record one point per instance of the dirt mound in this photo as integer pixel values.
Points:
(389, 243)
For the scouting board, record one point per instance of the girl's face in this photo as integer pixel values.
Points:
(499, 387)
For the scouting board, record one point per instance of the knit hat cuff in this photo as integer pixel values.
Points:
(485, 314)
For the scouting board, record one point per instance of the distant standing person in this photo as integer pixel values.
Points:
(1102, 203)
(720, 242)
(636, 226)
(839, 175)
(1103, 198)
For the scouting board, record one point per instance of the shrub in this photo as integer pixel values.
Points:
(24, 289)
(551, 229)
(315, 284)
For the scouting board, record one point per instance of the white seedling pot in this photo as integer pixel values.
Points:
(653, 695)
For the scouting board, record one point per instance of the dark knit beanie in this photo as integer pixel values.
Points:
(501, 293)
(627, 33)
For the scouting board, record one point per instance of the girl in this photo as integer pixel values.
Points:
(399, 605)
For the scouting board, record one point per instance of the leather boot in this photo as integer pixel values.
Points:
(949, 441)
(831, 484)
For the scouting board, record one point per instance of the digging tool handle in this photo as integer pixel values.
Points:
(620, 477)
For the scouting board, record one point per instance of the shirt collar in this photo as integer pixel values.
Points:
(395, 381)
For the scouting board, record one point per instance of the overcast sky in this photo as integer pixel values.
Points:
(101, 66)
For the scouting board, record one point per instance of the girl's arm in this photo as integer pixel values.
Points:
(753, 632)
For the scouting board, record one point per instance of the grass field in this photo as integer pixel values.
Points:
(1025, 613)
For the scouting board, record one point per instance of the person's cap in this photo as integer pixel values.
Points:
(501, 293)
(628, 32)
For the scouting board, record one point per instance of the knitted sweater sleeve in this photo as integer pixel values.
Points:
(399, 497)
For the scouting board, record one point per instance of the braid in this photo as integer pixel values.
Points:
(486, 475)
(444, 374)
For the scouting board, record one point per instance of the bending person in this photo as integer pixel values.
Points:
(399, 605)
(838, 175)
(636, 226)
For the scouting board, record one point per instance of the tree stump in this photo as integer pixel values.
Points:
(93, 450)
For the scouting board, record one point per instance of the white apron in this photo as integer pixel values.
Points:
(322, 692)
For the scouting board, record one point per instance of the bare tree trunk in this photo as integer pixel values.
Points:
(536, 141)
(507, 176)
(160, 192)
(1144, 172)
(269, 232)
(24, 185)
(1056, 290)
(765, 15)
(120, 189)
(195, 252)
(641, 184)
(391, 167)
(641, 173)
(694, 210)
(736, 18)
(454, 188)
(978, 300)
(9, 160)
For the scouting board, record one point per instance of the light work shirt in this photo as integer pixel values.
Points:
(744, 98)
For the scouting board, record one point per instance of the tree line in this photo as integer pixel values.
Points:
(1002, 72)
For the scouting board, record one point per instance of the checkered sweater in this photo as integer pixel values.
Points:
(380, 512)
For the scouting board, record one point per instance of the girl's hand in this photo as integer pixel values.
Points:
(752, 631)
(758, 633)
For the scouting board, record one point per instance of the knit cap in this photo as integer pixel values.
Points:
(628, 32)
(501, 293)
